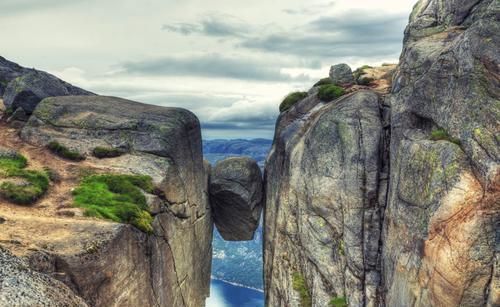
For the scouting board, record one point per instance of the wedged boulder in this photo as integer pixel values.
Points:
(236, 193)
(341, 74)
(111, 264)
(22, 286)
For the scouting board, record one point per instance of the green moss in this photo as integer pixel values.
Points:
(341, 248)
(105, 152)
(299, 285)
(64, 152)
(338, 302)
(330, 92)
(292, 99)
(9, 111)
(33, 184)
(365, 80)
(116, 197)
(323, 81)
(360, 71)
(441, 134)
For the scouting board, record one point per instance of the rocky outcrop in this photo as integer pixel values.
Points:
(21, 286)
(439, 243)
(392, 200)
(236, 193)
(111, 264)
(24, 88)
(341, 74)
(322, 219)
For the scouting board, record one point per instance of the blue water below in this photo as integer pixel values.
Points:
(223, 294)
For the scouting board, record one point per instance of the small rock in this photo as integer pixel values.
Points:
(341, 74)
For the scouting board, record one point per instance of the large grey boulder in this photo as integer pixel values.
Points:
(22, 286)
(341, 74)
(171, 266)
(236, 193)
(29, 89)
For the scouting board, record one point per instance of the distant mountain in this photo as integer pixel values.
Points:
(238, 262)
(215, 150)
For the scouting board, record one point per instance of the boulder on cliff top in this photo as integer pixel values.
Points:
(341, 74)
(28, 90)
(236, 192)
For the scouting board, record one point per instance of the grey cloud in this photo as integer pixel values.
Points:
(310, 10)
(354, 33)
(218, 25)
(213, 65)
(10, 7)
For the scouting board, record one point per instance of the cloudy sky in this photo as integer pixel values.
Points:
(229, 61)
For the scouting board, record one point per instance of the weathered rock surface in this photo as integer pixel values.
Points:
(441, 223)
(110, 264)
(24, 88)
(236, 193)
(22, 286)
(341, 74)
(422, 232)
(323, 218)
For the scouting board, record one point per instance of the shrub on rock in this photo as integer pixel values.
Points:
(292, 99)
(107, 152)
(330, 92)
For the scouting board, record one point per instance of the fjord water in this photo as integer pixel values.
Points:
(223, 294)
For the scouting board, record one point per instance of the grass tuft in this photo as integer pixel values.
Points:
(299, 285)
(360, 71)
(105, 152)
(338, 302)
(441, 134)
(292, 99)
(116, 197)
(64, 152)
(330, 92)
(323, 81)
(31, 185)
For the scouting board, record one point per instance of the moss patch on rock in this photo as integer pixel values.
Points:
(299, 285)
(291, 99)
(18, 185)
(107, 152)
(338, 302)
(65, 152)
(324, 81)
(330, 92)
(441, 134)
(116, 197)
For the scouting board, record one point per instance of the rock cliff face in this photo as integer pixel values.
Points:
(391, 199)
(106, 263)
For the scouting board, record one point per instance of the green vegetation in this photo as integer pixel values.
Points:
(360, 71)
(338, 302)
(292, 99)
(330, 92)
(116, 197)
(441, 134)
(18, 185)
(105, 152)
(324, 81)
(365, 80)
(9, 111)
(299, 285)
(341, 248)
(64, 152)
